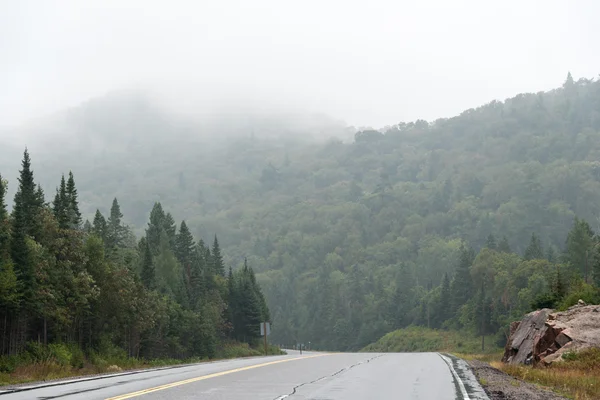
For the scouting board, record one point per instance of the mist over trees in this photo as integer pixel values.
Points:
(94, 286)
(458, 223)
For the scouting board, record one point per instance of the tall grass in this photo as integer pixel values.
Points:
(578, 376)
(56, 361)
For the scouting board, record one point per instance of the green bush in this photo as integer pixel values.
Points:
(580, 290)
(77, 357)
(60, 353)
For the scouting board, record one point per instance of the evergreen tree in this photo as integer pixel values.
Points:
(218, 264)
(184, 251)
(503, 246)
(24, 216)
(99, 227)
(61, 205)
(171, 229)
(4, 223)
(445, 298)
(535, 250)
(148, 272)
(72, 203)
(155, 227)
(115, 232)
(579, 245)
(491, 242)
(461, 287)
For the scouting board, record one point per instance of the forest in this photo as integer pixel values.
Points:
(97, 291)
(496, 209)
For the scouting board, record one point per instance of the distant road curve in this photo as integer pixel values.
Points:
(331, 376)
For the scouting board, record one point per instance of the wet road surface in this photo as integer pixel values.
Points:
(317, 376)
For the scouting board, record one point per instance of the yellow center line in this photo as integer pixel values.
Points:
(203, 377)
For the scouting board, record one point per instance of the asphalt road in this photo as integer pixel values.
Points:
(322, 376)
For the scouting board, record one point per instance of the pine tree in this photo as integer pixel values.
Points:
(445, 298)
(155, 227)
(148, 271)
(99, 227)
(503, 246)
(61, 205)
(171, 229)
(535, 250)
(72, 204)
(491, 242)
(461, 287)
(4, 223)
(184, 251)
(218, 264)
(25, 214)
(114, 229)
(9, 293)
(579, 246)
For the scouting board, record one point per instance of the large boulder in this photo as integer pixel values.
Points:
(545, 335)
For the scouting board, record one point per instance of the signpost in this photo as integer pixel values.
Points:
(265, 330)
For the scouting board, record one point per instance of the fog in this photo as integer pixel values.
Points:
(368, 63)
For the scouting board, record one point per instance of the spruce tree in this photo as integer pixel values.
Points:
(4, 223)
(61, 205)
(184, 244)
(155, 227)
(72, 205)
(534, 251)
(114, 229)
(503, 246)
(445, 299)
(218, 264)
(148, 271)
(171, 229)
(9, 294)
(99, 227)
(24, 216)
(579, 246)
(461, 287)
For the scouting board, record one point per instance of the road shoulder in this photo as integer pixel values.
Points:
(501, 386)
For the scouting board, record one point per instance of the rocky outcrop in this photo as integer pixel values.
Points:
(544, 335)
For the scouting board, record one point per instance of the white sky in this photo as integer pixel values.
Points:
(368, 62)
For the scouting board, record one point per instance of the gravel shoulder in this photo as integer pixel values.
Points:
(500, 386)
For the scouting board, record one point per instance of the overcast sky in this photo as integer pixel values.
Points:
(366, 62)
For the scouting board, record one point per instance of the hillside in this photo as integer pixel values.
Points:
(352, 240)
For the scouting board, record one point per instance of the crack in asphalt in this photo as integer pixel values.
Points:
(295, 388)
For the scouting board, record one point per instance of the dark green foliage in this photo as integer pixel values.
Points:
(148, 272)
(96, 289)
(73, 204)
(534, 251)
(99, 227)
(115, 231)
(461, 288)
(579, 246)
(217, 263)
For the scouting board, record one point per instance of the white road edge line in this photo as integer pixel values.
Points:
(461, 385)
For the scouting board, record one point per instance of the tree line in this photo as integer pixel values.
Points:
(93, 284)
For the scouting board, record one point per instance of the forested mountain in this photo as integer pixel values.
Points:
(92, 285)
(351, 239)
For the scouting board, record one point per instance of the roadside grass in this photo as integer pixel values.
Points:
(420, 339)
(577, 377)
(59, 361)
